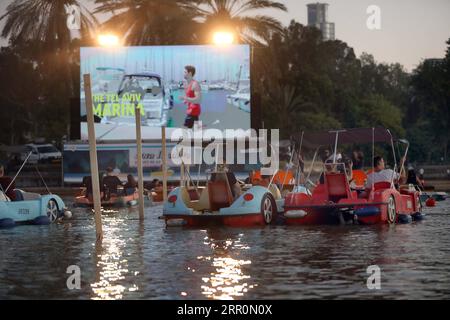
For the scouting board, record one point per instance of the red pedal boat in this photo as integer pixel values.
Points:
(107, 201)
(336, 202)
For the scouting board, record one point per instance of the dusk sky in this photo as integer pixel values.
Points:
(411, 30)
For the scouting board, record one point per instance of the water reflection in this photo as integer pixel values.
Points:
(112, 273)
(229, 279)
(147, 261)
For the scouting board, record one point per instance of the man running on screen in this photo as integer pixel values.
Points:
(192, 97)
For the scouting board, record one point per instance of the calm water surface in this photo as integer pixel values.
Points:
(147, 261)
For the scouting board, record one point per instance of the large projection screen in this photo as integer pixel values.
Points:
(153, 76)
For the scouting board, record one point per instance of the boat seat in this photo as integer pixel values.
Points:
(220, 195)
(19, 195)
(193, 193)
(275, 191)
(360, 178)
(381, 185)
(202, 204)
(337, 186)
(185, 196)
(31, 196)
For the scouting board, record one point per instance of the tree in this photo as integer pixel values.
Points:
(375, 110)
(38, 35)
(19, 96)
(44, 22)
(151, 22)
(235, 16)
(430, 105)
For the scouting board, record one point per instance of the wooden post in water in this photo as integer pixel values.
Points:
(93, 157)
(140, 171)
(164, 160)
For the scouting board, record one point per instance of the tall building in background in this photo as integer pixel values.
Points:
(318, 17)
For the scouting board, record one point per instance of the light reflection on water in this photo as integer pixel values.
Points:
(111, 266)
(144, 260)
(228, 280)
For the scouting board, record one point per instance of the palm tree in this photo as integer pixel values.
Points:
(37, 31)
(234, 16)
(43, 22)
(150, 22)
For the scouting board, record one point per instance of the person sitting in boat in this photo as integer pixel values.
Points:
(149, 185)
(333, 164)
(421, 178)
(357, 159)
(87, 183)
(249, 179)
(381, 174)
(413, 178)
(111, 181)
(157, 186)
(6, 181)
(130, 186)
(232, 181)
(348, 163)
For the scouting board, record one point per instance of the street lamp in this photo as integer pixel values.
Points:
(223, 38)
(108, 40)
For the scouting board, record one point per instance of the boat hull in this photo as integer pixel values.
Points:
(32, 209)
(256, 207)
(384, 206)
(119, 201)
(208, 220)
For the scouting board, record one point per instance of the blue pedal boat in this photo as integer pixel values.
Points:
(30, 208)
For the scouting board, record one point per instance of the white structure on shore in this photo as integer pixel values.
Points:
(318, 17)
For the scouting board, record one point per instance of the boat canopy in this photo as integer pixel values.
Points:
(345, 136)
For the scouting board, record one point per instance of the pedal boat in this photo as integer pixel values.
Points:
(112, 200)
(335, 202)
(30, 208)
(214, 205)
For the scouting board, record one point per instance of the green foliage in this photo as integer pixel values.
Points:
(309, 84)
(376, 110)
(429, 110)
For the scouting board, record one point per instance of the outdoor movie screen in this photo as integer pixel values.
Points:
(155, 79)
